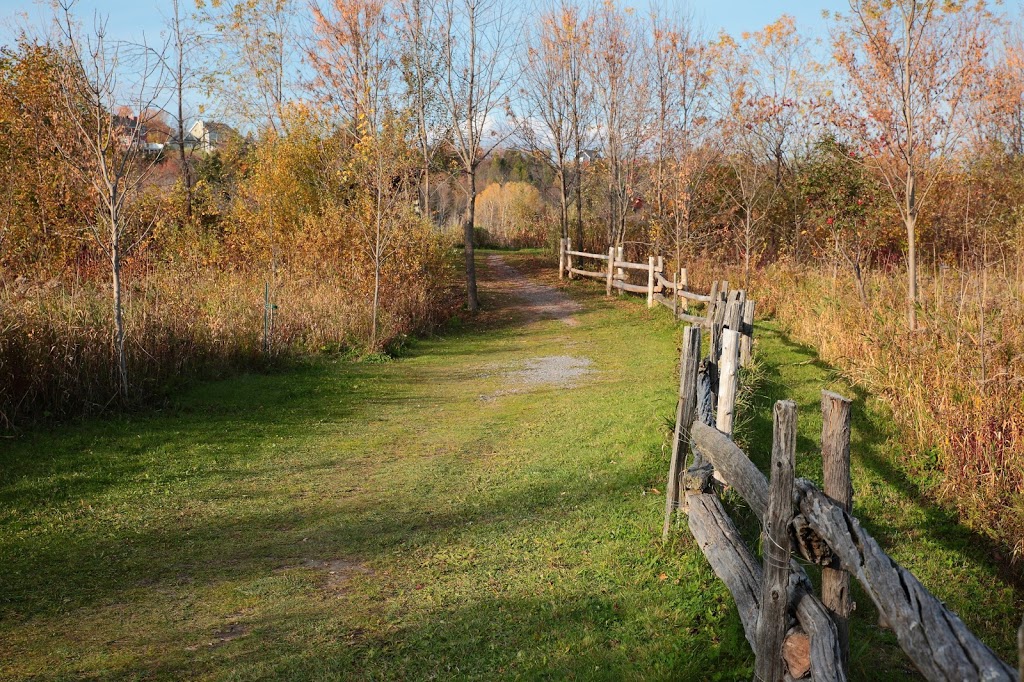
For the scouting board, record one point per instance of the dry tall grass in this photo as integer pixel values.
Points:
(955, 386)
(56, 353)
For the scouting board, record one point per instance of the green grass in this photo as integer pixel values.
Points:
(414, 520)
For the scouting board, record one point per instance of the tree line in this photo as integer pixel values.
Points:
(366, 126)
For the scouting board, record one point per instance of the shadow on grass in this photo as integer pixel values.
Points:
(874, 446)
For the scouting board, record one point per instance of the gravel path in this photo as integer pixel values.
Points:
(539, 301)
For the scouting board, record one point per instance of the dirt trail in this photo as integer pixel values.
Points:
(539, 301)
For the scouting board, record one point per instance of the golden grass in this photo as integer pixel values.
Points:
(962, 415)
(56, 351)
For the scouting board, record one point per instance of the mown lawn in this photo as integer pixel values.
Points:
(431, 517)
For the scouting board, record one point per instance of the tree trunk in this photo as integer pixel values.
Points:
(563, 197)
(911, 223)
(471, 298)
(376, 304)
(115, 271)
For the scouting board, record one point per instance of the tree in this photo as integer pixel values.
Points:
(681, 67)
(762, 98)
(254, 72)
(476, 77)
(620, 77)
(184, 44)
(556, 99)
(911, 68)
(108, 150)
(419, 30)
(838, 198)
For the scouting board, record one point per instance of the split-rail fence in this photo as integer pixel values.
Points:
(795, 632)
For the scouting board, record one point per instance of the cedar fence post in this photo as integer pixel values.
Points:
(747, 342)
(568, 256)
(561, 258)
(772, 622)
(727, 381)
(620, 274)
(650, 281)
(835, 455)
(686, 410)
(611, 270)
(709, 312)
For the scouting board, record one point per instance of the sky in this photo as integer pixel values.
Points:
(130, 18)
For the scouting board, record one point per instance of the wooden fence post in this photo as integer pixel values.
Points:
(620, 274)
(561, 258)
(686, 410)
(568, 248)
(733, 316)
(709, 312)
(727, 381)
(611, 270)
(650, 281)
(772, 622)
(835, 455)
(747, 342)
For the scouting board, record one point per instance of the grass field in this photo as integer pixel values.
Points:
(431, 517)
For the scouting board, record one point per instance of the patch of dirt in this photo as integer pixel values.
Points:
(337, 572)
(228, 633)
(565, 371)
(539, 301)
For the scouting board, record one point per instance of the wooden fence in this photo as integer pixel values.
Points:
(724, 308)
(795, 632)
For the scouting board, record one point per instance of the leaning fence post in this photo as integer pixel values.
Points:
(561, 258)
(773, 619)
(747, 342)
(835, 456)
(727, 381)
(611, 270)
(686, 410)
(650, 281)
(568, 256)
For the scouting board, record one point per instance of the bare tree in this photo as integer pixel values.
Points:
(555, 96)
(618, 67)
(108, 149)
(420, 32)
(912, 67)
(184, 43)
(477, 76)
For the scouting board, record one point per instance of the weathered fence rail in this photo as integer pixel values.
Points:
(723, 308)
(795, 634)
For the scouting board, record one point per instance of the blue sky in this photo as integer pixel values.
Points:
(129, 18)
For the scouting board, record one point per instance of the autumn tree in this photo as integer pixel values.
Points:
(182, 54)
(911, 68)
(763, 96)
(253, 67)
(107, 150)
(556, 100)
(619, 70)
(477, 77)
(681, 74)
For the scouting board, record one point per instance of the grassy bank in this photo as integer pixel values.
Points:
(439, 516)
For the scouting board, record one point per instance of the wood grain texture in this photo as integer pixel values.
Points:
(934, 638)
(686, 409)
(835, 455)
(772, 624)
